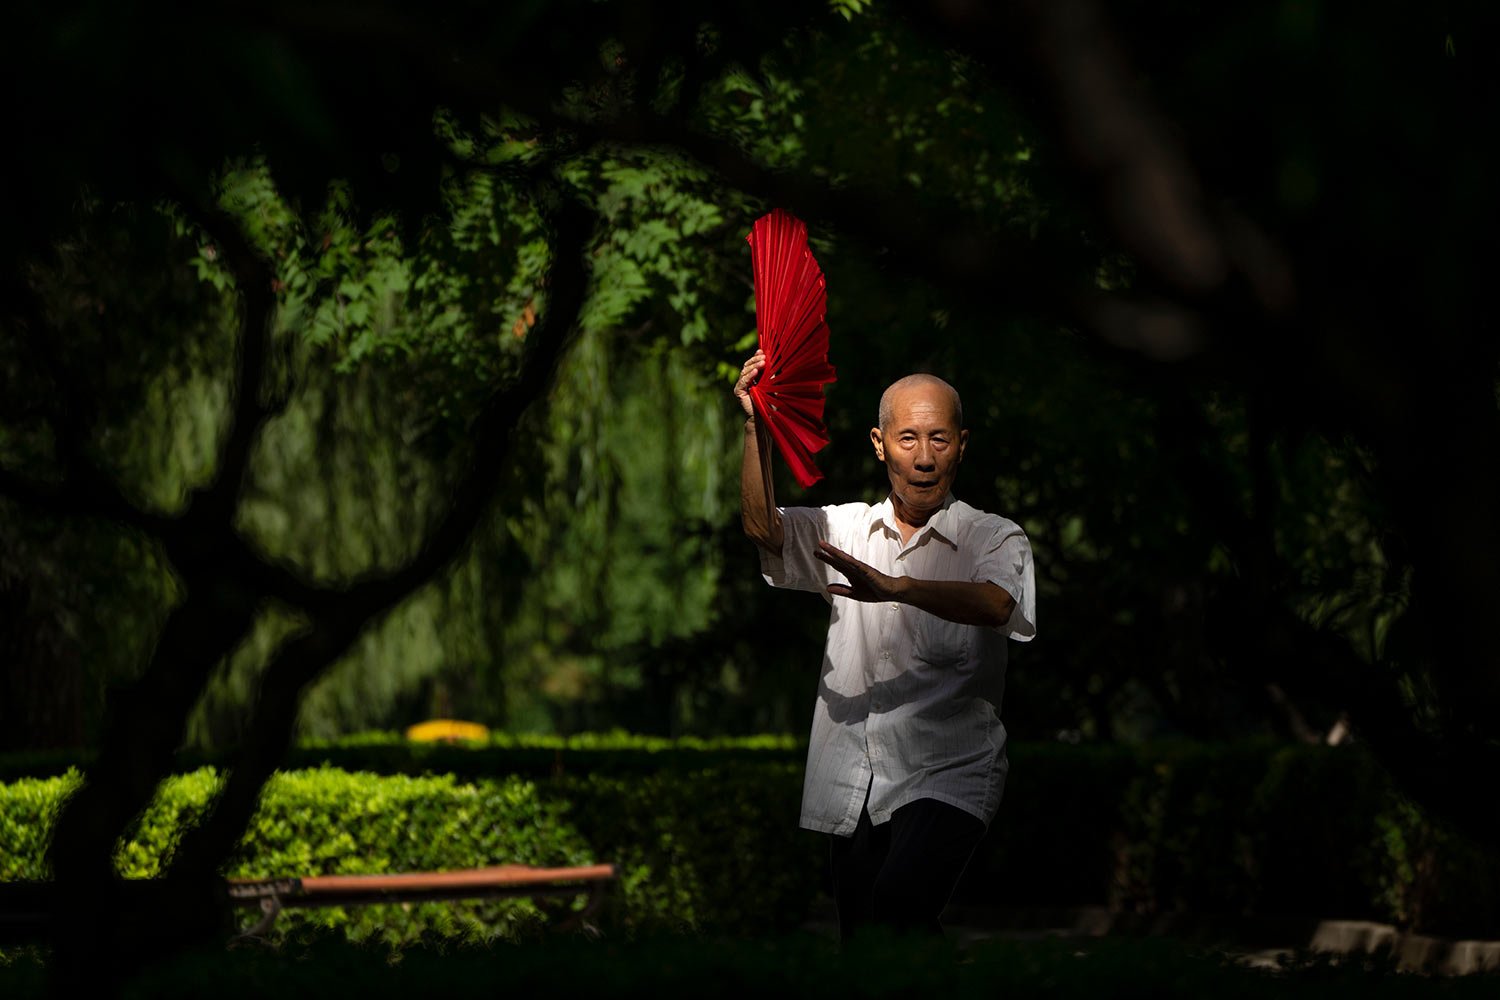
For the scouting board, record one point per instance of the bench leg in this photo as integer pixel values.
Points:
(583, 919)
(270, 908)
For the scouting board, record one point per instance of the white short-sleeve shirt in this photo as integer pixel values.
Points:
(908, 703)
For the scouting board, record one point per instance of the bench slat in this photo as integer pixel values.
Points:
(497, 880)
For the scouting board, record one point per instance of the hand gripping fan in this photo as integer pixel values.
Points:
(791, 306)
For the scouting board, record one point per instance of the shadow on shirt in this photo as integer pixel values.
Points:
(943, 694)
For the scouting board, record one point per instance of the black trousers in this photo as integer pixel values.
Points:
(900, 874)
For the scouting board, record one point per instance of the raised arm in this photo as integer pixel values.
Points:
(757, 498)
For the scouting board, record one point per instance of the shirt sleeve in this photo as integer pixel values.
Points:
(1006, 562)
(797, 568)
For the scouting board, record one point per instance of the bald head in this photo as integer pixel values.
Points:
(918, 381)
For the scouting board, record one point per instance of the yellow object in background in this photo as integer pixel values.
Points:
(447, 731)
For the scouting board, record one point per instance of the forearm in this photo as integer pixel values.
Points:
(757, 498)
(957, 600)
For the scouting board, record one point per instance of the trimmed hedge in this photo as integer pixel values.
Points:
(707, 838)
(713, 848)
(702, 850)
(1229, 829)
(333, 822)
(28, 808)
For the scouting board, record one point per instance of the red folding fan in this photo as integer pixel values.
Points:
(791, 306)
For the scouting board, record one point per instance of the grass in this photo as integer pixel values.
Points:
(783, 968)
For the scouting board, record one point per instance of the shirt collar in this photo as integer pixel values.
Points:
(883, 515)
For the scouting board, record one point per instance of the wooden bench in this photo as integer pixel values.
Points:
(273, 895)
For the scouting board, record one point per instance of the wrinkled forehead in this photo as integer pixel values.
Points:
(927, 405)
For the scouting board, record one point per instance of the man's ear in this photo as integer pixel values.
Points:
(963, 442)
(879, 442)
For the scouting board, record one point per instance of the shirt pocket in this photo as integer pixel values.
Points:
(941, 643)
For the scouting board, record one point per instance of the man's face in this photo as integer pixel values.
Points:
(921, 447)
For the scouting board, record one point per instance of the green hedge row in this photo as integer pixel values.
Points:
(1229, 829)
(333, 822)
(707, 838)
(707, 849)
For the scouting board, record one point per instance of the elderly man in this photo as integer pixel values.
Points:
(907, 756)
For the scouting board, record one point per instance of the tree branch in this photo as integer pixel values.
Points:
(144, 721)
(212, 508)
(340, 618)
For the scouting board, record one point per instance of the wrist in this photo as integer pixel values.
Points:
(901, 589)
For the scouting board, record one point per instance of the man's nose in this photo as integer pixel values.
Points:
(926, 458)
